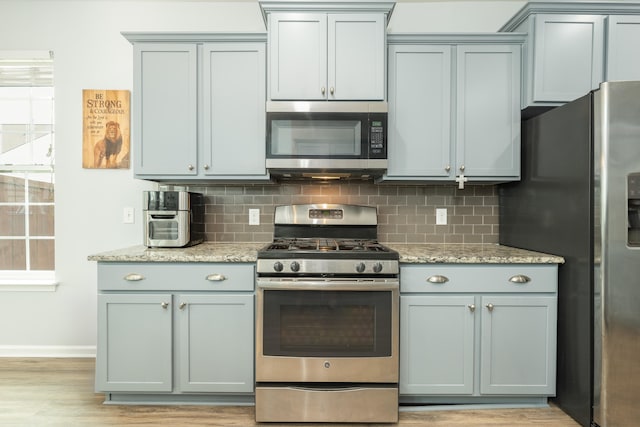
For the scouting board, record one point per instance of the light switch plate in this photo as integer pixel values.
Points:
(441, 216)
(254, 216)
(128, 215)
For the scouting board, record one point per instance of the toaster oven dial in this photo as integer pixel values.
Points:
(377, 267)
(277, 266)
(360, 267)
(295, 266)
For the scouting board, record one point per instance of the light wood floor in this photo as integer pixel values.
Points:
(59, 392)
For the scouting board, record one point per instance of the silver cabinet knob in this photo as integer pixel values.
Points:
(206, 167)
(472, 307)
(520, 279)
(190, 167)
(322, 90)
(447, 168)
(164, 304)
(133, 277)
(462, 168)
(331, 90)
(182, 305)
(437, 279)
(490, 307)
(215, 277)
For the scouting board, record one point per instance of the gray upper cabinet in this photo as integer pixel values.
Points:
(454, 107)
(233, 109)
(327, 51)
(198, 106)
(165, 109)
(573, 47)
(623, 36)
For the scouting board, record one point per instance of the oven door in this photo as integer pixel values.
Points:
(166, 229)
(333, 330)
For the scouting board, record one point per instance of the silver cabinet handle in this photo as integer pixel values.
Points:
(216, 277)
(322, 90)
(490, 307)
(331, 90)
(437, 279)
(472, 307)
(182, 305)
(164, 305)
(133, 277)
(520, 279)
(190, 167)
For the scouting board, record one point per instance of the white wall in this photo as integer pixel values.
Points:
(90, 53)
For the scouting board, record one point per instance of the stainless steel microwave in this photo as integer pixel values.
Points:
(326, 139)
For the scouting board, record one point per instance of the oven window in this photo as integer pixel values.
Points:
(327, 323)
(163, 230)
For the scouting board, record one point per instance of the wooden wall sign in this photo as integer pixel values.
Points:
(106, 129)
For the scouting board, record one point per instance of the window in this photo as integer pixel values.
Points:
(27, 245)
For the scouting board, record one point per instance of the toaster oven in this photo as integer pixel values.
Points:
(173, 219)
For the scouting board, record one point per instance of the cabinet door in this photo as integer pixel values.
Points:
(488, 111)
(234, 110)
(134, 343)
(216, 342)
(419, 111)
(356, 56)
(623, 61)
(518, 345)
(568, 56)
(165, 109)
(298, 56)
(436, 344)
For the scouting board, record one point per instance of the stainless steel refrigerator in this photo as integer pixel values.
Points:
(579, 197)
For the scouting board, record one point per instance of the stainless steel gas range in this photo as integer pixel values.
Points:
(327, 323)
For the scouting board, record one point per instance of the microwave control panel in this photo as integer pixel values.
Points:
(377, 138)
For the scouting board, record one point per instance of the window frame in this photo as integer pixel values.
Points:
(30, 76)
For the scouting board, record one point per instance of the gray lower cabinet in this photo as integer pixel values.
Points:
(572, 47)
(477, 331)
(175, 328)
(198, 106)
(454, 107)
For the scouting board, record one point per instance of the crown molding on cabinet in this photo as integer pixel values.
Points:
(579, 7)
(192, 37)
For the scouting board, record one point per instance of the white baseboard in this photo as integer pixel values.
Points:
(47, 351)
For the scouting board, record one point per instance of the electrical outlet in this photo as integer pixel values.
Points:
(441, 216)
(128, 215)
(254, 216)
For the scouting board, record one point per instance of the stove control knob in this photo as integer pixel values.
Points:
(360, 267)
(277, 266)
(295, 266)
(377, 267)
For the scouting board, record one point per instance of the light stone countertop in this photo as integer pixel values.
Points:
(410, 254)
(471, 254)
(204, 252)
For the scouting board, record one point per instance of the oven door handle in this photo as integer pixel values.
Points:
(331, 285)
(333, 388)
